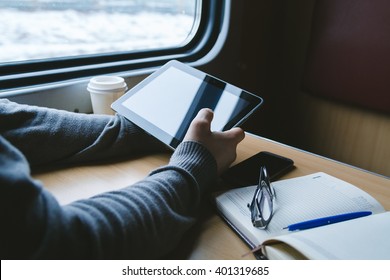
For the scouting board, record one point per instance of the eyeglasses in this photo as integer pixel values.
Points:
(262, 203)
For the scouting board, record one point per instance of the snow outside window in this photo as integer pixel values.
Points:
(42, 29)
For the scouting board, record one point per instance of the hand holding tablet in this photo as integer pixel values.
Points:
(165, 103)
(221, 144)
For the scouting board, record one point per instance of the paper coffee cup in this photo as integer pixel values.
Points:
(104, 90)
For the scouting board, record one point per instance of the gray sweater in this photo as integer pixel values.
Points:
(145, 220)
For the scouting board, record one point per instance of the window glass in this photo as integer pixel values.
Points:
(41, 29)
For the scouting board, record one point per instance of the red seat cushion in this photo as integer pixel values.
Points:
(349, 52)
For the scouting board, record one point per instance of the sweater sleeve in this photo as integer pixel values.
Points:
(145, 220)
(46, 135)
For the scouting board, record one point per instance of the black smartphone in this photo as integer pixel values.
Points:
(246, 173)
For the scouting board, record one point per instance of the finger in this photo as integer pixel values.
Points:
(206, 114)
(236, 133)
(202, 121)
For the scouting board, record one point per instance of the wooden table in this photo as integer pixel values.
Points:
(210, 238)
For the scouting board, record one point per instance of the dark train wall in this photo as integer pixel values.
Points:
(265, 53)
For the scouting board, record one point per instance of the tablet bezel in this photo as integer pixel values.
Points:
(170, 140)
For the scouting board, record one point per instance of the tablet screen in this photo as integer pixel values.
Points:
(165, 103)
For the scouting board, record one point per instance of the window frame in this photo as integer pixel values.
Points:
(208, 39)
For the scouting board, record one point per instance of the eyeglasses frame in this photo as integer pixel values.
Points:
(263, 191)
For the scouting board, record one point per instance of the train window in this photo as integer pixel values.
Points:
(36, 29)
(46, 41)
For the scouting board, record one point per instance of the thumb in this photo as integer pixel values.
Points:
(205, 114)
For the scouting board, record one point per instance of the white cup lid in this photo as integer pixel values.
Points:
(101, 83)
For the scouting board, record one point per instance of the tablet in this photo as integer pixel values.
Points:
(165, 103)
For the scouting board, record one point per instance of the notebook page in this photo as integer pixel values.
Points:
(299, 199)
(365, 238)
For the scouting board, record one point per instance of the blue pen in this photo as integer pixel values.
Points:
(327, 220)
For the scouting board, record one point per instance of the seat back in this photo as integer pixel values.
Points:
(349, 53)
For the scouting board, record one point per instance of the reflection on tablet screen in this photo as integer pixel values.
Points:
(188, 93)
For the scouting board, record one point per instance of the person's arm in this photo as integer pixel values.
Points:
(145, 220)
(47, 135)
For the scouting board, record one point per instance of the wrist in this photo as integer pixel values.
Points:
(197, 160)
